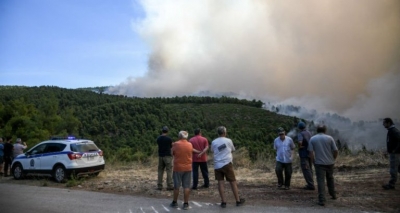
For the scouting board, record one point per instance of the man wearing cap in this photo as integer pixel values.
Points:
(303, 137)
(284, 147)
(393, 149)
(323, 153)
(199, 159)
(164, 143)
(18, 147)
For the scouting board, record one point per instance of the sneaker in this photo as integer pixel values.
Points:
(287, 188)
(334, 197)
(185, 206)
(204, 187)
(223, 204)
(174, 204)
(241, 202)
(279, 186)
(321, 203)
(308, 188)
(388, 186)
(194, 188)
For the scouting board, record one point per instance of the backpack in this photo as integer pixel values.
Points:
(303, 152)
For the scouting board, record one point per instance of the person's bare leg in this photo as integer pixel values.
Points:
(186, 193)
(235, 190)
(176, 194)
(221, 190)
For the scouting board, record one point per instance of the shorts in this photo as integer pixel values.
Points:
(182, 179)
(226, 172)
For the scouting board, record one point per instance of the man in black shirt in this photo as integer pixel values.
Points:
(164, 159)
(8, 157)
(393, 149)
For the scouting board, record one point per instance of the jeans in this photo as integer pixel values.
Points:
(165, 163)
(279, 169)
(306, 168)
(394, 166)
(322, 172)
(204, 173)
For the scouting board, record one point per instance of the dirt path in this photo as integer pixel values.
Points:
(358, 188)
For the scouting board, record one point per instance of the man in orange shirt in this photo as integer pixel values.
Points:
(182, 172)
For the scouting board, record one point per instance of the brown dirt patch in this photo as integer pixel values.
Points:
(358, 188)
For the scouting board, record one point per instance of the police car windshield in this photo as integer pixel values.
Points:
(84, 147)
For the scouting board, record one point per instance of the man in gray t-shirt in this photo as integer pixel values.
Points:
(323, 152)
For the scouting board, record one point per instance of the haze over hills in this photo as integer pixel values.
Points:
(356, 134)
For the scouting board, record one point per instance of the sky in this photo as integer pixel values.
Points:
(70, 43)
(334, 56)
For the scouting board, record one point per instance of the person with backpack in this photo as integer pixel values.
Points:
(303, 137)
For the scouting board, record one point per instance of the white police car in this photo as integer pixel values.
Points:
(60, 158)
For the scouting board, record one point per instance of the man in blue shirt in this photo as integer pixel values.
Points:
(284, 147)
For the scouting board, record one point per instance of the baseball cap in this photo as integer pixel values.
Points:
(281, 130)
(301, 125)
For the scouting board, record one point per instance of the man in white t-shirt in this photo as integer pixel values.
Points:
(223, 148)
(19, 147)
(284, 147)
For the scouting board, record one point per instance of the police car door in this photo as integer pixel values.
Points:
(51, 156)
(33, 158)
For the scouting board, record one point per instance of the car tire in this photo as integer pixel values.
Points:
(18, 171)
(60, 174)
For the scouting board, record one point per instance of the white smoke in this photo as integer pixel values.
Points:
(333, 56)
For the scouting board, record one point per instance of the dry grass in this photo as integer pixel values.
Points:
(358, 180)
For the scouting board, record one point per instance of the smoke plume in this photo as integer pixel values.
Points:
(334, 56)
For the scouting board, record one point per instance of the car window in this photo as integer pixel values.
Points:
(55, 147)
(38, 150)
(84, 147)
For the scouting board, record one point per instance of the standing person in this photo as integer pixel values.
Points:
(199, 160)
(164, 143)
(284, 147)
(8, 157)
(303, 137)
(19, 147)
(1, 156)
(323, 153)
(223, 169)
(182, 175)
(393, 149)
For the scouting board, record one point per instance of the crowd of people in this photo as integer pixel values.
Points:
(8, 152)
(184, 158)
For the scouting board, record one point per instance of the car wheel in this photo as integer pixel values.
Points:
(18, 171)
(60, 174)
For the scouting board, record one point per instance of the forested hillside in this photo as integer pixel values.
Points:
(126, 127)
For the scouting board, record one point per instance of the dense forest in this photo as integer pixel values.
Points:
(126, 127)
